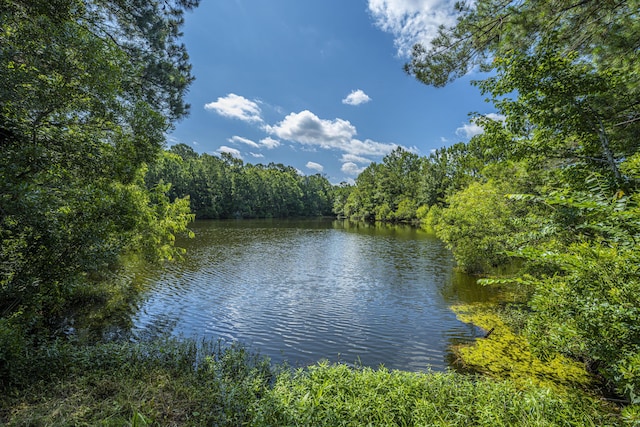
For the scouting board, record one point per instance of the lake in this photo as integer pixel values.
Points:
(304, 290)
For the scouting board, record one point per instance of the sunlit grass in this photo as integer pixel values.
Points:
(336, 395)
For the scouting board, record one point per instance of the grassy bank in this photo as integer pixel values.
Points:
(181, 383)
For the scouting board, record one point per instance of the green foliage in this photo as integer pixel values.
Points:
(184, 383)
(429, 217)
(477, 226)
(386, 191)
(228, 188)
(340, 196)
(88, 90)
(336, 395)
(605, 32)
(165, 383)
(566, 81)
(590, 311)
(550, 86)
(406, 210)
(504, 354)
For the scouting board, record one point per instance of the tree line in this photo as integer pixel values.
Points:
(225, 187)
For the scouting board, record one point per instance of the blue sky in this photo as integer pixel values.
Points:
(318, 85)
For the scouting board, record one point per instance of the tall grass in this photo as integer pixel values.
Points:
(160, 383)
(188, 383)
(336, 395)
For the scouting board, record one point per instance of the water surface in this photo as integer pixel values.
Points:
(301, 291)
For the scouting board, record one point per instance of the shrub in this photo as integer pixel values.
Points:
(592, 312)
(477, 226)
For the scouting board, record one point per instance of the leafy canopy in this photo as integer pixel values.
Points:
(88, 90)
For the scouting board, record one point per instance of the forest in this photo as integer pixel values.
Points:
(224, 187)
(543, 204)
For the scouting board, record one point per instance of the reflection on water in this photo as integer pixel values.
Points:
(305, 290)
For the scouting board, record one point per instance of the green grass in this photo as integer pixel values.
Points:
(336, 395)
(181, 383)
(162, 383)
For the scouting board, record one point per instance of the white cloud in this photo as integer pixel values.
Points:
(236, 107)
(412, 21)
(257, 155)
(269, 142)
(241, 140)
(353, 158)
(370, 148)
(315, 166)
(356, 97)
(194, 142)
(471, 129)
(308, 129)
(224, 149)
(351, 168)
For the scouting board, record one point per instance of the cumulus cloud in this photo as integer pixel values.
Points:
(370, 148)
(236, 107)
(308, 129)
(256, 155)
(353, 158)
(471, 129)
(269, 142)
(241, 140)
(315, 166)
(224, 149)
(351, 168)
(356, 97)
(412, 21)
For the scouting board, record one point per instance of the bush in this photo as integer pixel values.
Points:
(477, 226)
(406, 210)
(592, 312)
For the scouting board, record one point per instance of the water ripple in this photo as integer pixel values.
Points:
(301, 293)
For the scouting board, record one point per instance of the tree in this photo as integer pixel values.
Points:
(317, 196)
(88, 90)
(399, 173)
(604, 32)
(340, 196)
(362, 200)
(478, 226)
(567, 79)
(565, 109)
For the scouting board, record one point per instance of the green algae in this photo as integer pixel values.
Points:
(505, 354)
